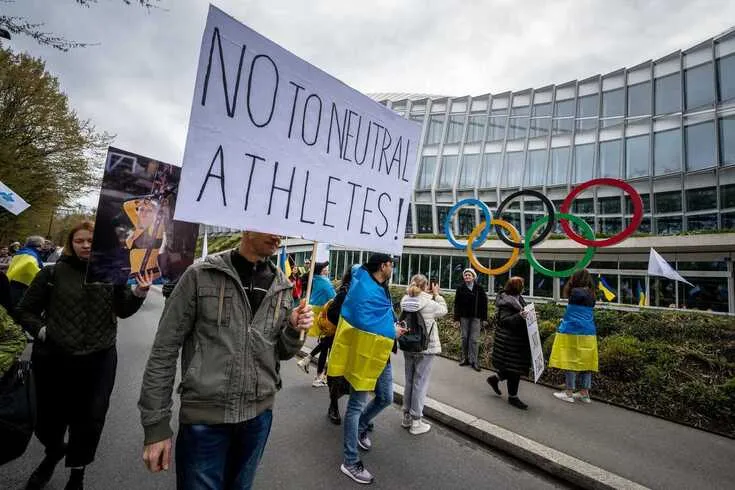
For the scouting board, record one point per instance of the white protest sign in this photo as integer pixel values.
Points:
(12, 201)
(277, 145)
(322, 252)
(534, 340)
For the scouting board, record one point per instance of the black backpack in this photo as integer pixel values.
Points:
(416, 339)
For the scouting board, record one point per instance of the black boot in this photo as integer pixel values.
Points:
(43, 473)
(76, 480)
(333, 414)
(494, 381)
(516, 402)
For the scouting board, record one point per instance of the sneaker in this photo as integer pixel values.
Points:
(318, 382)
(494, 381)
(364, 442)
(304, 363)
(582, 398)
(564, 396)
(357, 472)
(406, 422)
(43, 473)
(476, 368)
(419, 427)
(516, 402)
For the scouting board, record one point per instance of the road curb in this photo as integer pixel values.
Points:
(557, 463)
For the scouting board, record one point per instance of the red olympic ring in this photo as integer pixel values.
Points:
(629, 230)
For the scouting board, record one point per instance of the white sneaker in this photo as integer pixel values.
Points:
(318, 382)
(406, 422)
(582, 398)
(419, 427)
(564, 396)
(304, 363)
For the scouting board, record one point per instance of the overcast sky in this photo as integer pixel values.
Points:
(137, 83)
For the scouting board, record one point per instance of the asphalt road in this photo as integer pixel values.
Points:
(304, 450)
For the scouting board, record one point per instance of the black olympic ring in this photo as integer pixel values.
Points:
(550, 210)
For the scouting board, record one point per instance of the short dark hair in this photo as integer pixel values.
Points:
(514, 286)
(376, 260)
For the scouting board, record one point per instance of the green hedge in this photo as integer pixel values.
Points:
(676, 365)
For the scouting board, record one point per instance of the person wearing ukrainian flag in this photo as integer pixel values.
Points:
(23, 267)
(361, 351)
(322, 292)
(575, 342)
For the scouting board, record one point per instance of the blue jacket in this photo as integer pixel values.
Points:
(321, 291)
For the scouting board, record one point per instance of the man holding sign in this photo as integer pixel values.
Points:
(232, 317)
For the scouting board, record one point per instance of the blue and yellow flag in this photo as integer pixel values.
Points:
(603, 286)
(641, 293)
(284, 261)
(365, 333)
(575, 342)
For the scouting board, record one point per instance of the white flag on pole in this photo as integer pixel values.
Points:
(205, 246)
(657, 266)
(12, 201)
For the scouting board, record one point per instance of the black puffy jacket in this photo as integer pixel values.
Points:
(79, 318)
(511, 350)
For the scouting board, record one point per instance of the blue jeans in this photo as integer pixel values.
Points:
(221, 456)
(585, 380)
(359, 412)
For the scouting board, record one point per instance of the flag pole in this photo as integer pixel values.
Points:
(312, 266)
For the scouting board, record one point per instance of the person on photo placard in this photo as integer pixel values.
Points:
(322, 292)
(424, 299)
(232, 318)
(575, 342)
(470, 312)
(511, 349)
(74, 355)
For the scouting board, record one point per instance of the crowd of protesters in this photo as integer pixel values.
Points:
(230, 377)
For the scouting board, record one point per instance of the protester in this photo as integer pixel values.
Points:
(575, 342)
(369, 302)
(337, 384)
(24, 266)
(297, 283)
(14, 247)
(425, 299)
(511, 349)
(4, 257)
(74, 355)
(321, 292)
(231, 316)
(470, 311)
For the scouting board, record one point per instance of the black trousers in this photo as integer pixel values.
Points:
(513, 378)
(322, 348)
(73, 393)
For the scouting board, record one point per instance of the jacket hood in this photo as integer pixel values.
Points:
(223, 262)
(506, 300)
(415, 303)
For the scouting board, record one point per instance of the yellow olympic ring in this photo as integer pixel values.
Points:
(514, 256)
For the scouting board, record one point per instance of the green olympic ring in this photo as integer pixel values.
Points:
(583, 262)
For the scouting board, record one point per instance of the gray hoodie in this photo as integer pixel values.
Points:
(229, 354)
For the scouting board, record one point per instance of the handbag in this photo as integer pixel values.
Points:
(17, 411)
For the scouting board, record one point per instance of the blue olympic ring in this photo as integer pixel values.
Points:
(483, 236)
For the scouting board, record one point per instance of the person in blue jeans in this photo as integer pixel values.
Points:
(360, 411)
(232, 318)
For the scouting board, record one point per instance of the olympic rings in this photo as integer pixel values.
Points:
(514, 256)
(448, 223)
(629, 230)
(549, 224)
(481, 231)
(583, 262)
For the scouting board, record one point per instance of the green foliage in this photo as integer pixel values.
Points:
(620, 357)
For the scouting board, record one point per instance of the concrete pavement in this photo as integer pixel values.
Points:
(304, 449)
(577, 441)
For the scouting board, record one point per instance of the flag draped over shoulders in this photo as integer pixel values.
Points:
(365, 333)
(575, 342)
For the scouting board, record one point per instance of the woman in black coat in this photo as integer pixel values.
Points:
(74, 356)
(511, 350)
